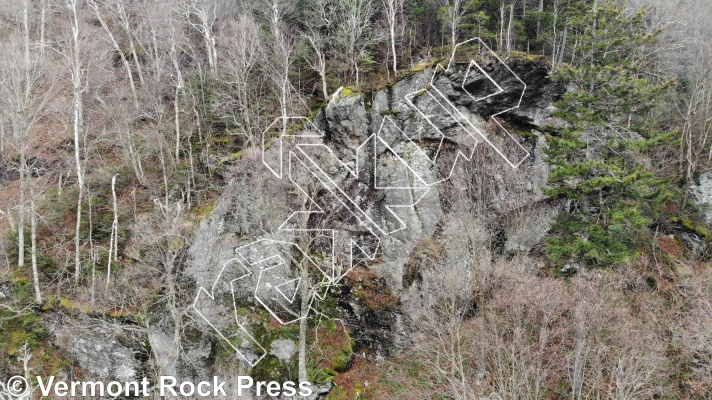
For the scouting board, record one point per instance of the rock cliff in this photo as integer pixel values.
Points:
(417, 182)
(481, 203)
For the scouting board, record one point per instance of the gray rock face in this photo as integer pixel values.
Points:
(527, 227)
(702, 195)
(100, 351)
(437, 200)
(283, 349)
(347, 126)
(693, 242)
(432, 195)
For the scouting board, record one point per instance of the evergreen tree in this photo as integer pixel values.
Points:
(598, 158)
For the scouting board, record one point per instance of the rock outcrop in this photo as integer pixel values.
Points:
(101, 351)
(702, 195)
(436, 198)
(502, 208)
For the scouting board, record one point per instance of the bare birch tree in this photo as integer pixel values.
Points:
(393, 11)
(117, 49)
(113, 238)
(281, 55)
(77, 71)
(202, 15)
(453, 16)
(241, 69)
(25, 92)
(318, 29)
(355, 32)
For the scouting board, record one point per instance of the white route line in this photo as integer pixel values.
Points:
(262, 289)
(242, 260)
(441, 98)
(350, 203)
(211, 296)
(409, 99)
(336, 274)
(305, 158)
(286, 296)
(313, 133)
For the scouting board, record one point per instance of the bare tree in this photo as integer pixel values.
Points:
(453, 16)
(695, 113)
(113, 239)
(509, 27)
(353, 19)
(33, 244)
(76, 66)
(281, 53)
(25, 92)
(178, 84)
(555, 48)
(241, 69)
(318, 62)
(538, 17)
(8, 392)
(310, 287)
(444, 325)
(393, 11)
(316, 34)
(155, 37)
(117, 49)
(126, 24)
(161, 244)
(202, 16)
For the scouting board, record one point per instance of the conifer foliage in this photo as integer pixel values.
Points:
(611, 194)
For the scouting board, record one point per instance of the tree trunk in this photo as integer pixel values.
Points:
(538, 18)
(563, 44)
(500, 45)
(117, 49)
(43, 23)
(176, 117)
(132, 45)
(593, 36)
(509, 28)
(553, 42)
(33, 241)
(78, 125)
(322, 73)
(21, 208)
(284, 88)
(21, 129)
(393, 45)
(113, 243)
(304, 311)
(176, 109)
